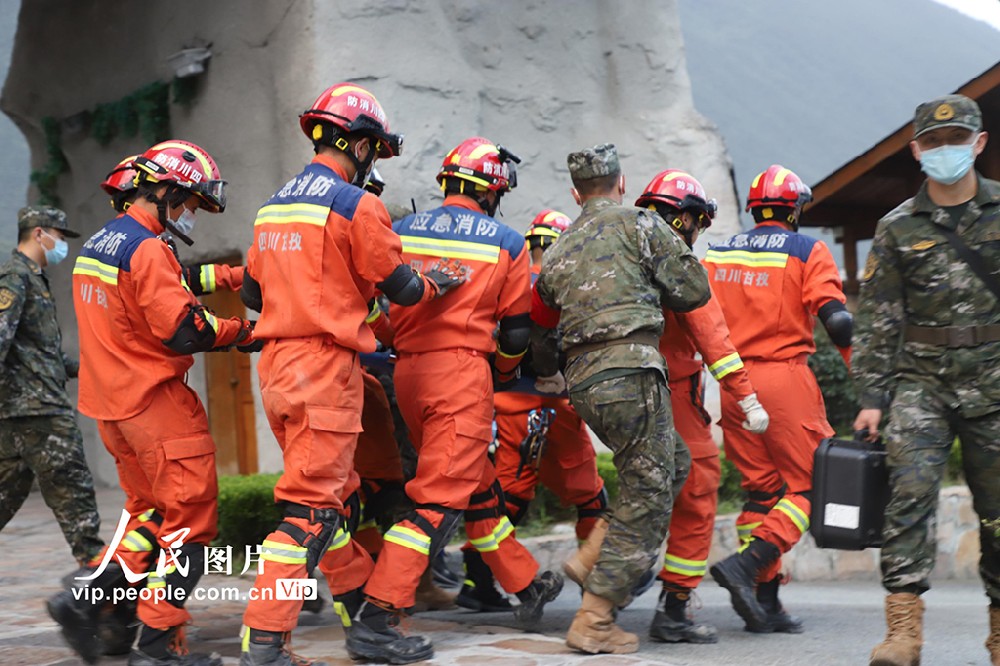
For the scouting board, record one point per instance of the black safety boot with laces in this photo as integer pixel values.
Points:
(778, 619)
(268, 648)
(478, 592)
(373, 637)
(738, 574)
(672, 622)
(533, 598)
(166, 647)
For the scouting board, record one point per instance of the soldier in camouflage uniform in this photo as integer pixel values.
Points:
(38, 432)
(929, 352)
(605, 284)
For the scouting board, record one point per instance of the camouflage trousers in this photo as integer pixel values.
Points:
(51, 448)
(919, 436)
(632, 416)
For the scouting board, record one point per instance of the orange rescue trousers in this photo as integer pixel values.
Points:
(166, 461)
(691, 523)
(446, 399)
(777, 465)
(312, 392)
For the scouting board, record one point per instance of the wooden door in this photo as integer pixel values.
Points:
(230, 396)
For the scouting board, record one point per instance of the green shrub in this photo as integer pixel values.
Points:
(730, 492)
(247, 512)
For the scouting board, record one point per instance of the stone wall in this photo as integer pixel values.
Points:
(957, 547)
(543, 77)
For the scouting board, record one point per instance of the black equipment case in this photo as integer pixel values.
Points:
(849, 494)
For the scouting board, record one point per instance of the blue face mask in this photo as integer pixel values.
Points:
(185, 222)
(58, 252)
(947, 164)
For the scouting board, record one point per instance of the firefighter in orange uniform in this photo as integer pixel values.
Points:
(200, 278)
(569, 464)
(138, 327)
(691, 341)
(444, 386)
(772, 282)
(321, 245)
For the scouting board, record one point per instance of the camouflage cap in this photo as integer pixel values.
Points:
(30, 217)
(947, 111)
(595, 162)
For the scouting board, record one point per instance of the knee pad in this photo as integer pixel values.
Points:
(595, 507)
(316, 545)
(441, 534)
(495, 501)
(517, 508)
(761, 502)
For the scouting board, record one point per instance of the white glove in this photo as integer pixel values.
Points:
(554, 384)
(757, 418)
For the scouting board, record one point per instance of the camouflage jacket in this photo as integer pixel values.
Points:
(914, 276)
(611, 275)
(33, 367)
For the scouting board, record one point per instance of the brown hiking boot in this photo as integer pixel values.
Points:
(904, 617)
(594, 630)
(993, 641)
(430, 597)
(578, 566)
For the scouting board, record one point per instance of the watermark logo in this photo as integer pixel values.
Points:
(295, 589)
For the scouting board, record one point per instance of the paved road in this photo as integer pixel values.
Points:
(843, 620)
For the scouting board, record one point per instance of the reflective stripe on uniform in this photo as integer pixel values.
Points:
(407, 538)
(743, 531)
(94, 268)
(135, 542)
(797, 516)
(453, 249)
(491, 541)
(294, 213)
(146, 515)
(726, 365)
(156, 580)
(340, 539)
(743, 258)
(684, 567)
(208, 278)
(284, 553)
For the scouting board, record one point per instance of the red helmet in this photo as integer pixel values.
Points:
(349, 108)
(778, 186)
(187, 166)
(546, 228)
(121, 178)
(478, 161)
(681, 191)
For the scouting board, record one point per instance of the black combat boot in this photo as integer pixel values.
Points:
(268, 648)
(373, 636)
(738, 574)
(777, 619)
(78, 608)
(444, 576)
(672, 622)
(478, 592)
(533, 598)
(166, 647)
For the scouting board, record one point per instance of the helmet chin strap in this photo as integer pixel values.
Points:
(361, 167)
(161, 213)
(488, 208)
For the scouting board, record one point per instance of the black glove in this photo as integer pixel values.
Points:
(446, 274)
(245, 337)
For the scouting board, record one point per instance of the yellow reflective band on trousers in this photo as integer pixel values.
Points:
(491, 541)
(407, 538)
(679, 565)
(743, 531)
(155, 580)
(725, 365)
(137, 543)
(284, 553)
(340, 539)
(146, 515)
(800, 519)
